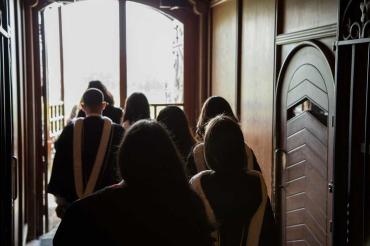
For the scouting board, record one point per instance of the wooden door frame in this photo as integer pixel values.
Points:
(193, 18)
(5, 130)
(34, 152)
(280, 131)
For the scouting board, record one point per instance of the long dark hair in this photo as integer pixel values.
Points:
(108, 97)
(175, 120)
(150, 165)
(136, 108)
(224, 145)
(212, 107)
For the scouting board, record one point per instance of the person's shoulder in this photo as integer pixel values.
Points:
(255, 179)
(114, 110)
(66, 133)
(118, 128)
(101, 198)
(197, 177)
(198, 147)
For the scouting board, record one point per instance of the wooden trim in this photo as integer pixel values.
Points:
(239, 46)
(307, 34)
(210, 51)
(123, 53)
(34, 166)
(61, 56)
(204, 60)
(215, 3)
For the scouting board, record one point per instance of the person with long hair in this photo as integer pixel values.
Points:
(136, 108)
(213, 107)
(175, 120)
(154, 205)
(110, 111)
(236, 198)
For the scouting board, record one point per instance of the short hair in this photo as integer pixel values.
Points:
(224, 146)
(176, 122)
(136, 108)
(108, 97)
(212, 107)
(92, 97)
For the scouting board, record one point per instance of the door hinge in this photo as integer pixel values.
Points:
(331, 187)
(365, 149)
(332, 121)
(331, 226)
(43, 91)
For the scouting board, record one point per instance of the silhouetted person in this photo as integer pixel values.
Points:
(136, 108)
(86, 154)
(177, 124)
(213, 107)
(236, 198)
(154, 205)
(110, 111)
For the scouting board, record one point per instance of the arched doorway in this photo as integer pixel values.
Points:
(36, 109)
(304, 140)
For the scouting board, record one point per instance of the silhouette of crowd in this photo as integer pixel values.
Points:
(121, 178)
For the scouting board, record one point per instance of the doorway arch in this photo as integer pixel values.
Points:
(36, 150)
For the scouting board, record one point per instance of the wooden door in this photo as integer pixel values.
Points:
(11, 203)
(306, 89)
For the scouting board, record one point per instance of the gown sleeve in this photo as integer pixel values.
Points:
(76, 228)
(60, 175)
(269, 232)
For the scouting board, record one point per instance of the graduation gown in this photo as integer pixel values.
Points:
(238, 207)
(120, 215)
(62, 176)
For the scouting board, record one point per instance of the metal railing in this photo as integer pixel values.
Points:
(155, 108)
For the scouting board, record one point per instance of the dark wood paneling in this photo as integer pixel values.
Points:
(224, 51)
(257, 80)
(298, 15)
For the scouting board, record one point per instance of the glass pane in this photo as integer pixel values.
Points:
(154, 54)
(53, 66)
(91, 47)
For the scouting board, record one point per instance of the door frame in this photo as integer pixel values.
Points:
(280, 131)
(195, 42)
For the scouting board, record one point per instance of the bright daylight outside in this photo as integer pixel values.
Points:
(82, 44)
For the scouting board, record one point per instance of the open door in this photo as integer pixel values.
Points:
(305, 146)
(104, 44)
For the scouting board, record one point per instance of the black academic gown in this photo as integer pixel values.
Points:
(234, 200)
(62, 177)
(123, 216)
(113, 113)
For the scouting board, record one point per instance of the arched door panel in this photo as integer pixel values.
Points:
(305, 106)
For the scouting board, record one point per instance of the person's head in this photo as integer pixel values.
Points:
(175, 120)
(152, 169)
(224, 145)
(108, 97)
(136, 108)
(148, 157)
(93, 102)
(212, 107)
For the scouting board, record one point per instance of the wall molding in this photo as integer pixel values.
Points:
(307, 34)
